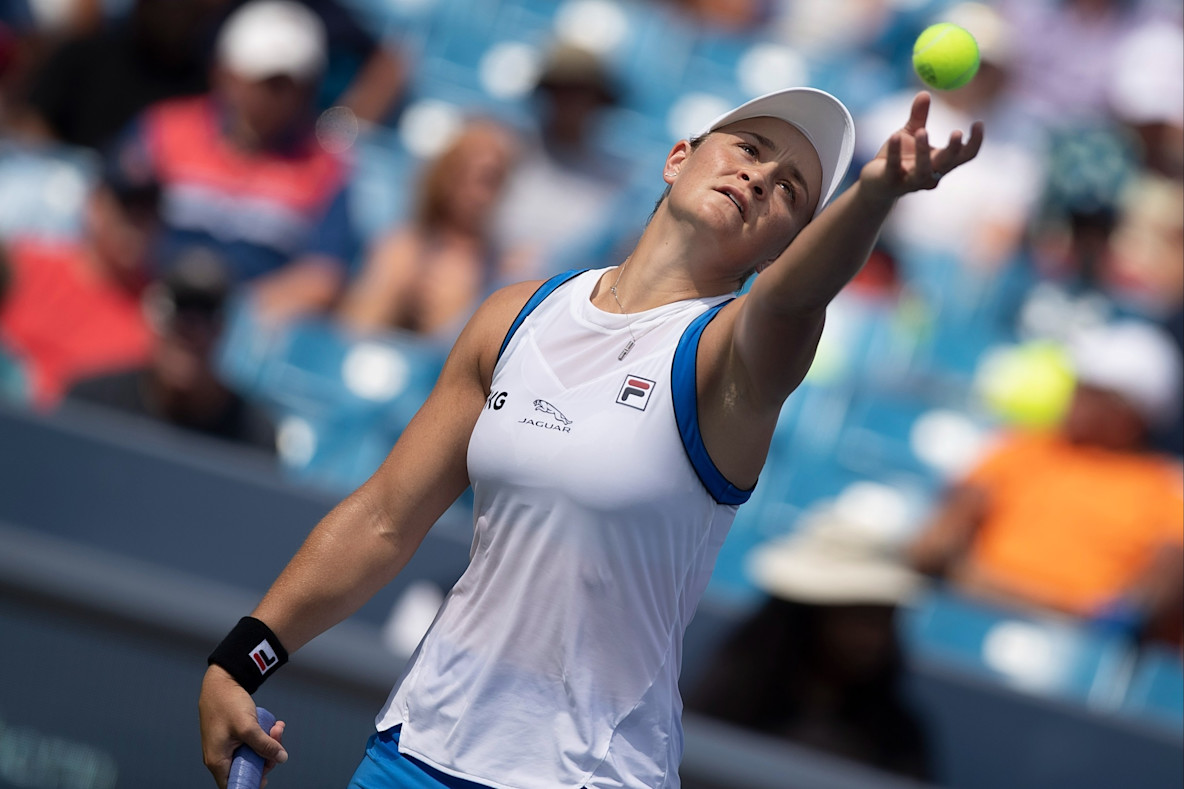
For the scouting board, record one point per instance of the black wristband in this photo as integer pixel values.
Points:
(249, 653)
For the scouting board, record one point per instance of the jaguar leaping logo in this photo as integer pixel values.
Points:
(547, 408)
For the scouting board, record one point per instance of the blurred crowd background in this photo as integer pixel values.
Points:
(266, 220)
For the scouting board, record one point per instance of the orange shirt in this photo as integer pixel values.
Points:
(66, 322)
(1071, 527)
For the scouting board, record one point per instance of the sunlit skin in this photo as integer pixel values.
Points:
(744, 194)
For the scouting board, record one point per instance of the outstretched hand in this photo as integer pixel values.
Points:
(908, 163)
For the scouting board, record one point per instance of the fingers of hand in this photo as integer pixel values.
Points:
(262, 744)
(919, 114)
(924, 174)
(892, 158)
(958, 152)
(945, 159)
(277, 734)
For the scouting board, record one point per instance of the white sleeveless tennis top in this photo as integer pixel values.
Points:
(554, 660)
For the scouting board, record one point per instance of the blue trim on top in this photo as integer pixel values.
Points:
(545, 290)
(683, 378)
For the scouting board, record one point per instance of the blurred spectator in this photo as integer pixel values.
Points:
(564, 187)
(1146, 92)
(1064, 54)
(363, 74)
(728, 16)
(73, 307)
(1082, 520)
(14, 385)
(429, 275)
(9, 56)
(819, 662)
(827, 30)
(242, 170)
(980, 216)
(1144, 270)
(1089, 167)
(178, 384)
(93, 85)
(62, 16)
(1144, 273)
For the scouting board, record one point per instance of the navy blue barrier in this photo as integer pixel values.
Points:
(160, 495)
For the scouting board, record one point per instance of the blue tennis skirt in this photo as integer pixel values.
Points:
(383, 767)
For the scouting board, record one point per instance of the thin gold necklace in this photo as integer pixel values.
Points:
(628, 321)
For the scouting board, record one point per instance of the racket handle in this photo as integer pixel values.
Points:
(246, 770)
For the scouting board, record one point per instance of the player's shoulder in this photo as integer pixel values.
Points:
(502, 306)
(485, 330)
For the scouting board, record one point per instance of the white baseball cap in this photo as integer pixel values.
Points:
(1137, 360)
(271, 38)
(825, 121)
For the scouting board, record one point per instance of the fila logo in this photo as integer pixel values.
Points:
(264, 657)
(635, 392)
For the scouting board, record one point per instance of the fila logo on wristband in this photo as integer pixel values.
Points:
(264, 657)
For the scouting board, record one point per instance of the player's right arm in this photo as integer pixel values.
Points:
(369, 537)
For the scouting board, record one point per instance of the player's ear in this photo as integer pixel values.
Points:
(675, 160)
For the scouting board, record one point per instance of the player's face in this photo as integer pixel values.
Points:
(756, 181)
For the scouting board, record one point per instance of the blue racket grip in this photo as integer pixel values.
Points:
(246, 770)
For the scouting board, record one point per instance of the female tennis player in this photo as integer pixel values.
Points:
(610, 422)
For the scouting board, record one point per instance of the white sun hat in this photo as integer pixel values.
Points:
(836, 559)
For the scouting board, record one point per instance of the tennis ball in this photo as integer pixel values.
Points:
(945, 56)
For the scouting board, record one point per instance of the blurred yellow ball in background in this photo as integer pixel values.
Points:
(1028, 386)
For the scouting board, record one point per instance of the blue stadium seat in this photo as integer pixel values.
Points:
(382, 184)
(340, 401)
(968, 311)
(652, 59)
(43, 189)
(482, 56)
(877, 436)
(1156, 691)
(1042, 655)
